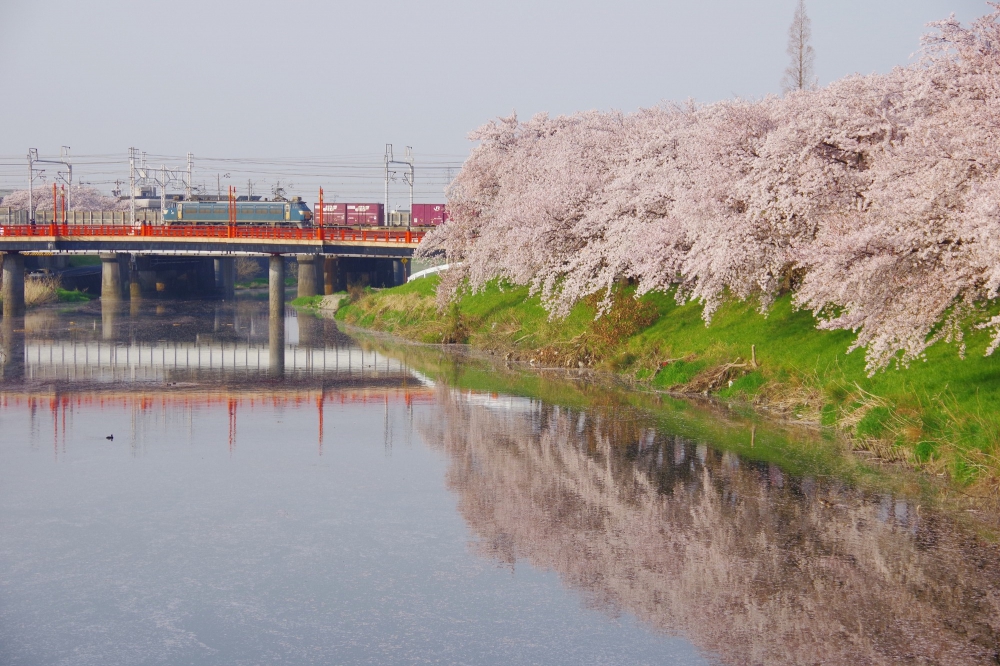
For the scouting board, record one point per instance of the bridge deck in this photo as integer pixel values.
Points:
(209, 240)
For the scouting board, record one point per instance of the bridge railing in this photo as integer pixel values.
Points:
(262, 233)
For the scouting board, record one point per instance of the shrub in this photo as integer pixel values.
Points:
(247, 269)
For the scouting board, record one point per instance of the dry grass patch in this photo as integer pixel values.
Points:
(797, 402)
(411, 315)
(40, 290)
(412, 304)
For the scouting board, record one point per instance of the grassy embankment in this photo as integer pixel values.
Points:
(942, 415)
(799, 451)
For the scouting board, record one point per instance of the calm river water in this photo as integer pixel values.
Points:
(358, 508)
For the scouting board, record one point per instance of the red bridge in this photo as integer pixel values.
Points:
(209, 240)
(330, 256)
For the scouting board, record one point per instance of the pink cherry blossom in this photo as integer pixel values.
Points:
(83, 198)
(875, 199)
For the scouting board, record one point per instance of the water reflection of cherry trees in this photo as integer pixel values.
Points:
(752, 565)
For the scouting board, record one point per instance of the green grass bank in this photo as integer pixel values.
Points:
(942, 415)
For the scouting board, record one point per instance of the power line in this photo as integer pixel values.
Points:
(346, 176)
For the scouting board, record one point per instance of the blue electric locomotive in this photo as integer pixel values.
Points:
(251, 213)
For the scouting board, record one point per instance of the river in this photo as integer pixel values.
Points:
(176, 489)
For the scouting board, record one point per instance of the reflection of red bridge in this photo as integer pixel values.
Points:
(95, 361)
(181, 397)
(59, 404)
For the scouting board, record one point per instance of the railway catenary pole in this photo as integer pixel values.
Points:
(388, 158)
(31, 185)
(64, 155)
(34, 159)
(409, 164)
(131, 184)
(409, 157)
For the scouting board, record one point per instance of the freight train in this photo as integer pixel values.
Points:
(297, 213)
(256, 213)
(350, 215)
(373, 214)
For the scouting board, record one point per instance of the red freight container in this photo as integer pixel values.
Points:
(334, 214)
(426, 215)
(368, 215)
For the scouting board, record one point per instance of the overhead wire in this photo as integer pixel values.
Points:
(344, 176)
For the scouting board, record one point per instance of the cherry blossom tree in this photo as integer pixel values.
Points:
(83, 198)
(918, 259)
(875, 200)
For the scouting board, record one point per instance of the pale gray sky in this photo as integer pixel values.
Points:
(247, 78)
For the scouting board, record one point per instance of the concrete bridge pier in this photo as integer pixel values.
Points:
(111, 278)
(400, 271)
(146, 274)
(276, 315)
(329, 275)
(134, 288)
(307, 275)
(13, 284)
(206, 275)
(11, 347)
(225, 277)
(134, 283)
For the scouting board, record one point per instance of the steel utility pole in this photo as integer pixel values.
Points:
(131, 184)
(190, 157)
(388, 158)
(32, 156)
(142, 175)
(409, 158)
(64, 155)
(34, 159)
(407, 177)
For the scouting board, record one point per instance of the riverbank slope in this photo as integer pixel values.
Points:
(941, 415)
